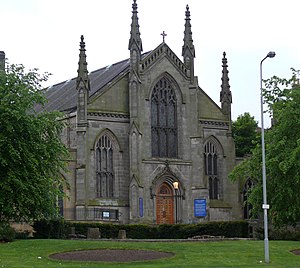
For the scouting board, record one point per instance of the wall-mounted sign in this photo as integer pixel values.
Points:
(105, 214)
(200, 207)
(141, 207)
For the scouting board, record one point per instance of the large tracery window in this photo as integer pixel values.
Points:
(247, 207)
(104, 168)
(211, 169)
(163, 120)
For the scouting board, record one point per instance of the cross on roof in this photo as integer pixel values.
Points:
(163, 35)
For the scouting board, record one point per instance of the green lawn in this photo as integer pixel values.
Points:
(34, 253)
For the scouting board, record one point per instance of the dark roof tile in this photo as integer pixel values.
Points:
(63, 96)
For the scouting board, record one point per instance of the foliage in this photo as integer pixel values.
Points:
(106, 230)
(55, 228)
(289, 233)
(244, 134)
(7, 233)
(140, 231)
(32, 155)
(282, 144)
(237, 253)
(61, 229)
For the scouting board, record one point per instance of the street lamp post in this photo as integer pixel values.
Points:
(176, 186)
(265, 206)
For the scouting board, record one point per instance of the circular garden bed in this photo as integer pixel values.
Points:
(111, 255)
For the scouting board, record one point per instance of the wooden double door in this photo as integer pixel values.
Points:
(165, 204)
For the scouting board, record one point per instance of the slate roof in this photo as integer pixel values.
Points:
(63, 96)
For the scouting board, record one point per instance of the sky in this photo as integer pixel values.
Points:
(45, 34)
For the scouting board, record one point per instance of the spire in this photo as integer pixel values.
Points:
(188, 49)
(188, 40)
(82, 66)
(225, 95)
(83, 87)
(135, 35)
(2, 61)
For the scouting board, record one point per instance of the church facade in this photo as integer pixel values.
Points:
(148, 145)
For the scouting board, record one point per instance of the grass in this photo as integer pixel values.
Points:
(34, 253)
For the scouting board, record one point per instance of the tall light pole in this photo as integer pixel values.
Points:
(265, 206)
(176, 186)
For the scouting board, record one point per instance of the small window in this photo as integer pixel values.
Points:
(211, 169)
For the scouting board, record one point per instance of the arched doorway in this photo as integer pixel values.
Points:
(164, 204)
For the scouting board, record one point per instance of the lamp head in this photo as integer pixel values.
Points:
(271, 54)
(176, 184)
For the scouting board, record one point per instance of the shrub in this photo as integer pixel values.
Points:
(106, 230)
(284, 233)
(50, 229)
(226, 229)
(7, 233)
(170, 231)
(22, 235)
(61, 229)
(139, 231)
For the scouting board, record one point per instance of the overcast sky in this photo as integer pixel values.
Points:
(46, 34)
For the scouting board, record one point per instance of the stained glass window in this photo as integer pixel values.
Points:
(247, 207)
(104, 168)
(211, 169)
(60, 202)
(163, 120)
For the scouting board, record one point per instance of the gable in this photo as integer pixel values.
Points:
(163, 52)
(208, 109)
(113, 98)
(162, 61)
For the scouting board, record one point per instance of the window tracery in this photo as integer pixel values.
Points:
(163, 120)
(247, 207)
(104, 168)
(211, 169)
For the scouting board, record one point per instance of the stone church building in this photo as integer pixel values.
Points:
(148, 145)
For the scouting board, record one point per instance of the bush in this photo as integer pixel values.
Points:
(285, 233)
(106, 230)
(139, 231)
(170, 231)
(61, 229)
(227, 229)
(7, 233)
(22, 235)
(50, 229)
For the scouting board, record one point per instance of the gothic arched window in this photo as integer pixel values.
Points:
(211, 169)
(104, 168)
(247, 207)
(163, 120)
(60, 202)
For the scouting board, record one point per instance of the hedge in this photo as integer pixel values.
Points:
(51, 228)
(7, 233)
(284, 233)
(61, 229)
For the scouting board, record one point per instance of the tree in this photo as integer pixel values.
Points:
(282, 154)
(32, 154)
(244, 134)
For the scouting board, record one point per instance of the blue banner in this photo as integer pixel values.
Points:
(200, 207)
